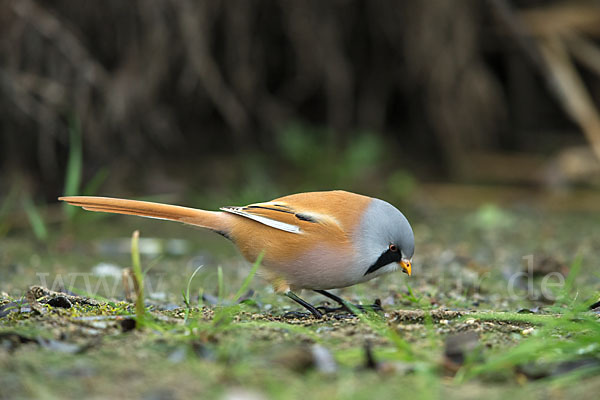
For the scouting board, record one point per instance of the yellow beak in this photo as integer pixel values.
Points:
(406, 266)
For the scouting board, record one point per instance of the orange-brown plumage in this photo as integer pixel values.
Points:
(317, 240)
(284, 251)
(206, 219)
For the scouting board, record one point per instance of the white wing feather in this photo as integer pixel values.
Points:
(264, 220)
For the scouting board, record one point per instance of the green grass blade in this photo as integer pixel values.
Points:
(574, 272)
(221, 285)
(92, 187)
(74, 166)
(186, 297)
(35, 220)
(242, 290)
(139, 276)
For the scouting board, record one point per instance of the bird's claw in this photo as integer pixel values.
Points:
(302, 315)
(375, 307)
(297, 315)
(330, 310)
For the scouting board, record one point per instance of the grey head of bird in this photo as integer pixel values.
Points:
(385, 240)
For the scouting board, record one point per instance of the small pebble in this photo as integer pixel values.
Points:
(107, 270)
(527, 331)
(323, 359)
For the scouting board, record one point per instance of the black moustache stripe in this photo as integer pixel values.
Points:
(384, 259)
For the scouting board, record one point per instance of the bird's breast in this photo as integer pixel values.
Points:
(321, 257)
(321, 267)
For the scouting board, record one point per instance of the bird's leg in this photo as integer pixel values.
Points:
(316, 313)
(344, 305)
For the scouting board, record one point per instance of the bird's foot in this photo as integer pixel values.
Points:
(351, 308)
(315, 313)
(330, 310)
(301, 315)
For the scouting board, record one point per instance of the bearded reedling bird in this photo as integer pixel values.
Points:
(316, 240)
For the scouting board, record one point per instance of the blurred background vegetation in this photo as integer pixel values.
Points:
(244, 100)
(478, 118)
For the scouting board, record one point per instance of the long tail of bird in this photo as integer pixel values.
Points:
(213, 220)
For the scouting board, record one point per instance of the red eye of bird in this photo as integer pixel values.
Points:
(393, 248)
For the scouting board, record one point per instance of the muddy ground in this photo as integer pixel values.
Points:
(498, 305)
